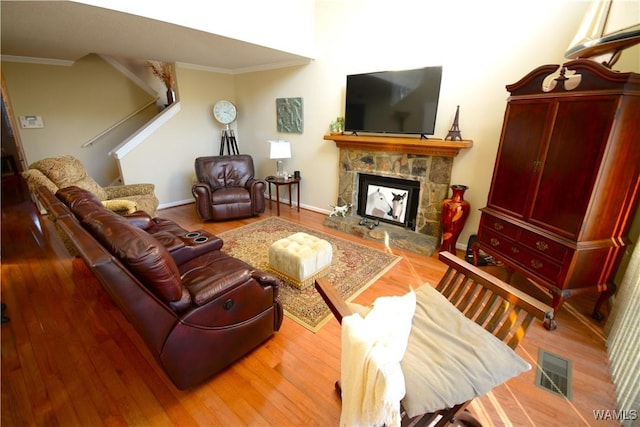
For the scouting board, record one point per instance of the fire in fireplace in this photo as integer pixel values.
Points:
(388, 199)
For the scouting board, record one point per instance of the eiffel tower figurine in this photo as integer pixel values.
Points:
(454, 132)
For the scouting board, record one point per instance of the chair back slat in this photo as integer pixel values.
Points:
(499, 309)
(461, 288)
(487, 310)
(518, 333)
(447, 284)
(508, 320)
(495, 305)
(469, 296)
(481, 297)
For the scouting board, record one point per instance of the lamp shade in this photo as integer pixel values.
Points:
(280, 150)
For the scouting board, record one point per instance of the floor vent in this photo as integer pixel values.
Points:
(554, 374)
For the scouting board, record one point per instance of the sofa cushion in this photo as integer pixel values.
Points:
(140, 252)
(65, 171)
(231, 195)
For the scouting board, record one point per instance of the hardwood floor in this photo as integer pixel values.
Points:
(70, 358)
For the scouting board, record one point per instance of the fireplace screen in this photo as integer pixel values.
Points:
(388, 199)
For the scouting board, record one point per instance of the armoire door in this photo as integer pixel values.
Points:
(518, 159)
(579, 137)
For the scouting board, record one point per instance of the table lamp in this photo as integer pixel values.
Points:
(279, 150)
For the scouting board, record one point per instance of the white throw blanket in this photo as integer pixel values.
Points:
(372, 348)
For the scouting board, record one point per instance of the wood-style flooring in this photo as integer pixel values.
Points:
(69, 357)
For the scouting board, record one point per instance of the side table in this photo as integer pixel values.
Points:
(284, 181)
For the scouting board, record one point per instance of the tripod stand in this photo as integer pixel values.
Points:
(229, 140)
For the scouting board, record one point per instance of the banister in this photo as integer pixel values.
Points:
(115, 125)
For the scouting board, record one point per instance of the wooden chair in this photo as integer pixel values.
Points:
(495, 305)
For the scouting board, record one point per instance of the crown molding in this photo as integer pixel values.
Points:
(263, 67)
(33, 60)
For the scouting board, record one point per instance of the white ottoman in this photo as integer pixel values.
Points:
(300, 258)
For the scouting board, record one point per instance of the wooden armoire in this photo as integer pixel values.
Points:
(566, 179)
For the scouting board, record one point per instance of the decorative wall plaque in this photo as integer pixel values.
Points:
(290, 116)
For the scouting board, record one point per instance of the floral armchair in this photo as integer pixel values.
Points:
(64, 171)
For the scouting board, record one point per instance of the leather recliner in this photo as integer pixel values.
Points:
(227, 188)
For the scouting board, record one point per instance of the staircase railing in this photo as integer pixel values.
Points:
(115, 125)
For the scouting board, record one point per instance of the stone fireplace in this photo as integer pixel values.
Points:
(428, 163)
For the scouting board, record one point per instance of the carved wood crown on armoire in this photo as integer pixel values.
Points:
(566, 179)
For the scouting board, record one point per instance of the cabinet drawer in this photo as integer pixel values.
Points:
(530, 260)
(543, 245)
(497, 242)
(499, 226)
(537, 264)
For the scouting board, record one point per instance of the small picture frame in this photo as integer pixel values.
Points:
(290, 115)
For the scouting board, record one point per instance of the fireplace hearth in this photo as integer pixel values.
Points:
(395, 236)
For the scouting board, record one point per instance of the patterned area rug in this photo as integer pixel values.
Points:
(354, 267)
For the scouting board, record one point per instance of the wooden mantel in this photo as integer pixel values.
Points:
(392, 144)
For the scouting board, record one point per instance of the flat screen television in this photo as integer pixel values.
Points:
(403, 102)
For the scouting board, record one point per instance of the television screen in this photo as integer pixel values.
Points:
(393, 101)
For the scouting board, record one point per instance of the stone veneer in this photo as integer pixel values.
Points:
(434, 175)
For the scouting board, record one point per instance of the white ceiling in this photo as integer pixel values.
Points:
(67, 31)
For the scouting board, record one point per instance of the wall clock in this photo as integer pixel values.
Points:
(225, 112)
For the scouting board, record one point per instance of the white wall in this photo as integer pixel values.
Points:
(482, 46)
(280, 24)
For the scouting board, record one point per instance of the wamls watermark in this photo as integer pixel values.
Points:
(615, 415)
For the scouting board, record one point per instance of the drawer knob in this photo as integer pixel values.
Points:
(494, 242)
(542, 246)
(515, 250)
(498, 226)
(537, 264)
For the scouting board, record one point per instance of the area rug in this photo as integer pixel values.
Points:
(354, 267)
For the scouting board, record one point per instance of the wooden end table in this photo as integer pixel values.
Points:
(284, 181)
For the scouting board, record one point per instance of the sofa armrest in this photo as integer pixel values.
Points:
(256, 181)
(267, 279)
(119, 191)
(256, 185)
(140, 219)
(36, 179)
(257, 188)
(216, 284)
(202, 193)
(227, 295)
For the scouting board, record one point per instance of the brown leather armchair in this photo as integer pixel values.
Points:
(226, 188)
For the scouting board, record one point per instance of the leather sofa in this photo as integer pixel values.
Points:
(197, 309)
(227, 188)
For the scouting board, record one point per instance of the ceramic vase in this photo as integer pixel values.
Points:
(170, 96)
(454, 215)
